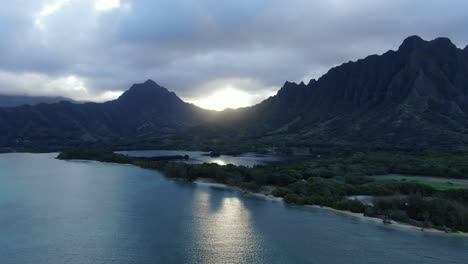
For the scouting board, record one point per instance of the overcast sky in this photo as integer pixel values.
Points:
(202, 49)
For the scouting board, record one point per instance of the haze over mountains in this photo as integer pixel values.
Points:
(414, 96)
(18, 100)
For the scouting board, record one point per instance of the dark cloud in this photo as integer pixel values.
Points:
(70, 48)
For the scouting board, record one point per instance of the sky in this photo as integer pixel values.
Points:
(213, 53)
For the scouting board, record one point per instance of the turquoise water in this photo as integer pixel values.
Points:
(55, 212)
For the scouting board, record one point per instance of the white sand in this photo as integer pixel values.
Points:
(210, 182)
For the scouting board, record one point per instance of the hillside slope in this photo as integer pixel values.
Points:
(416, 95)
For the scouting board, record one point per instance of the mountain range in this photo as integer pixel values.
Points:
(412, 97)
(145, 109)
(416, 95)
(18, 100)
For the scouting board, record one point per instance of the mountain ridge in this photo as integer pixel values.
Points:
(384, 99)
(142, 111)
(19, 100)
(416, 95)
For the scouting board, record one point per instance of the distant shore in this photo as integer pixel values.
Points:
(394, 224)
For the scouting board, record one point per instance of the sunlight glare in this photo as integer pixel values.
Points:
(224, 222)
(228, 97)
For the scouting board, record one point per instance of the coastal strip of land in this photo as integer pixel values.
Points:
(304, 183)
(393, 224)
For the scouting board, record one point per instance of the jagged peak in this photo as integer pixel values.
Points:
(442, 42)
(288, 83)
(312, 82)
(147, 85)
(145, 92)
(151, 82)
(291, 88)
(415, 42)
(291, 85)
(411, 43)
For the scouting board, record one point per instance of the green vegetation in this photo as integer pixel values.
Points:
(423, 211)
(327, 181)
(441, 164)
(440, 184)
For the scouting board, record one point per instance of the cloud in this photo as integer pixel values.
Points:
(39, 84)
(198, 47)
(105, 5)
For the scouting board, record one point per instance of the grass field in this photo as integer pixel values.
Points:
(437, 183)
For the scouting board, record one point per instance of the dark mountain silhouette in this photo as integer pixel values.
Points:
(144, 110)
(414, 96)
(18, 100)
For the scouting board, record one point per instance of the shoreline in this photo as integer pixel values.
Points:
(394, 224)
(267, 196)
(211, 183)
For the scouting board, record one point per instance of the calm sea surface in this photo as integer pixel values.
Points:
(59, 212)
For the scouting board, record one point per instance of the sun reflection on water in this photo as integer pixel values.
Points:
(223, 230)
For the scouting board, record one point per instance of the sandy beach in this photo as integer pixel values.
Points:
(394, 224)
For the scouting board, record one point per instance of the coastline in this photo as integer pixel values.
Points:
(394, 224)
(211, 183)
(265, 194)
